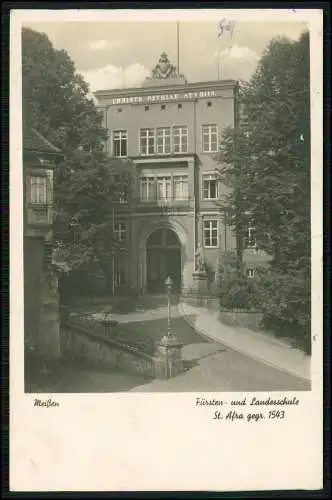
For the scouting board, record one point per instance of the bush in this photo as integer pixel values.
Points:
(236, 291)
(283, 298)
(285, 303)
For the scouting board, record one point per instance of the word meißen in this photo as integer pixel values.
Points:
(46, 403)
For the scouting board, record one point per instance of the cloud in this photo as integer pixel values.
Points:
(237, 62)
(102, 45)
(237, 52)
(244, 53)
(114, 77)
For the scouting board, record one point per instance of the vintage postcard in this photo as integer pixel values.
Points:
(166, 250)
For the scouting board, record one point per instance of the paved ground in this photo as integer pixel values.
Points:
(214, 367)
(210, 365)
(260, 346)
(87, 380)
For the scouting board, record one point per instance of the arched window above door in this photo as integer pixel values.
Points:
(163, 238)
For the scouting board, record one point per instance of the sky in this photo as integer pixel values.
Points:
(117, 54)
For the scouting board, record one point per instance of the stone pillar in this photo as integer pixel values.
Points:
(49, 321)
(187, 277)
(200, 279)
(168, 358)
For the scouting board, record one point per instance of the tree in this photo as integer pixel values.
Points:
(57, 103)
(265, 160)
(267, 163)
(56, 98)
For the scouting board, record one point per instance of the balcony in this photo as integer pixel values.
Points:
(39, 215)
(159, 205)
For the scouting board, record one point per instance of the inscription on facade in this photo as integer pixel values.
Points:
(163, 97)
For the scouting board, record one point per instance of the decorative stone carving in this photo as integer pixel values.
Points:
(164, 69)
(164, 72)
(200, 259)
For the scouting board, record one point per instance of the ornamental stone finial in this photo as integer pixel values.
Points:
(164, 72)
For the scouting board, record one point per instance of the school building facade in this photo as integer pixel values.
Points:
(170, 130)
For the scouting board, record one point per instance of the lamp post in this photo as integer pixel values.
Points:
(168, 284)
(108, 323)
(169, 348)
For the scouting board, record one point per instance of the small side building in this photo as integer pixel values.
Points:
(41, 304)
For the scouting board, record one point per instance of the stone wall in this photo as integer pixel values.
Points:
(236, 317)
(195, 300)
(33, 265)
(81, 345)
(243, 319)
(49, 322)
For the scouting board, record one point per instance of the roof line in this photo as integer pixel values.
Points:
(48, 143)
(166, 87)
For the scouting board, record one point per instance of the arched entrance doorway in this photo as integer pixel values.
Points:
(163, 259)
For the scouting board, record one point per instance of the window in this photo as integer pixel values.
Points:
(38, 190)
(180, 183)
(250, 273)
(147, 188)
(120, 139)
(164, 188)
(210, 138)
(121, 188)
(163, 139)
(120, 229)
(210, 233)
(210, 187)
(147, 141)
(251, 236)
(180, 139)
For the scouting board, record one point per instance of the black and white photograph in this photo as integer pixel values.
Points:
(167, 207)
(167, 227)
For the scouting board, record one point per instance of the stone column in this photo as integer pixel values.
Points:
(187, 276)
(168, 358)
(200, 281)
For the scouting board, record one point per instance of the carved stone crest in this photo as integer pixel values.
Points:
(164, 69)
(164, 73)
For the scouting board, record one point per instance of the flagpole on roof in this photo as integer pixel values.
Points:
(178, 45)
(218, 65)
(223, 26)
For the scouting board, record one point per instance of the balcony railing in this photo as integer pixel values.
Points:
(39, 214)
(162, 205)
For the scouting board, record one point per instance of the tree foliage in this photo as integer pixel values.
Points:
(57, 103)
(265, 162)
(56, 98)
